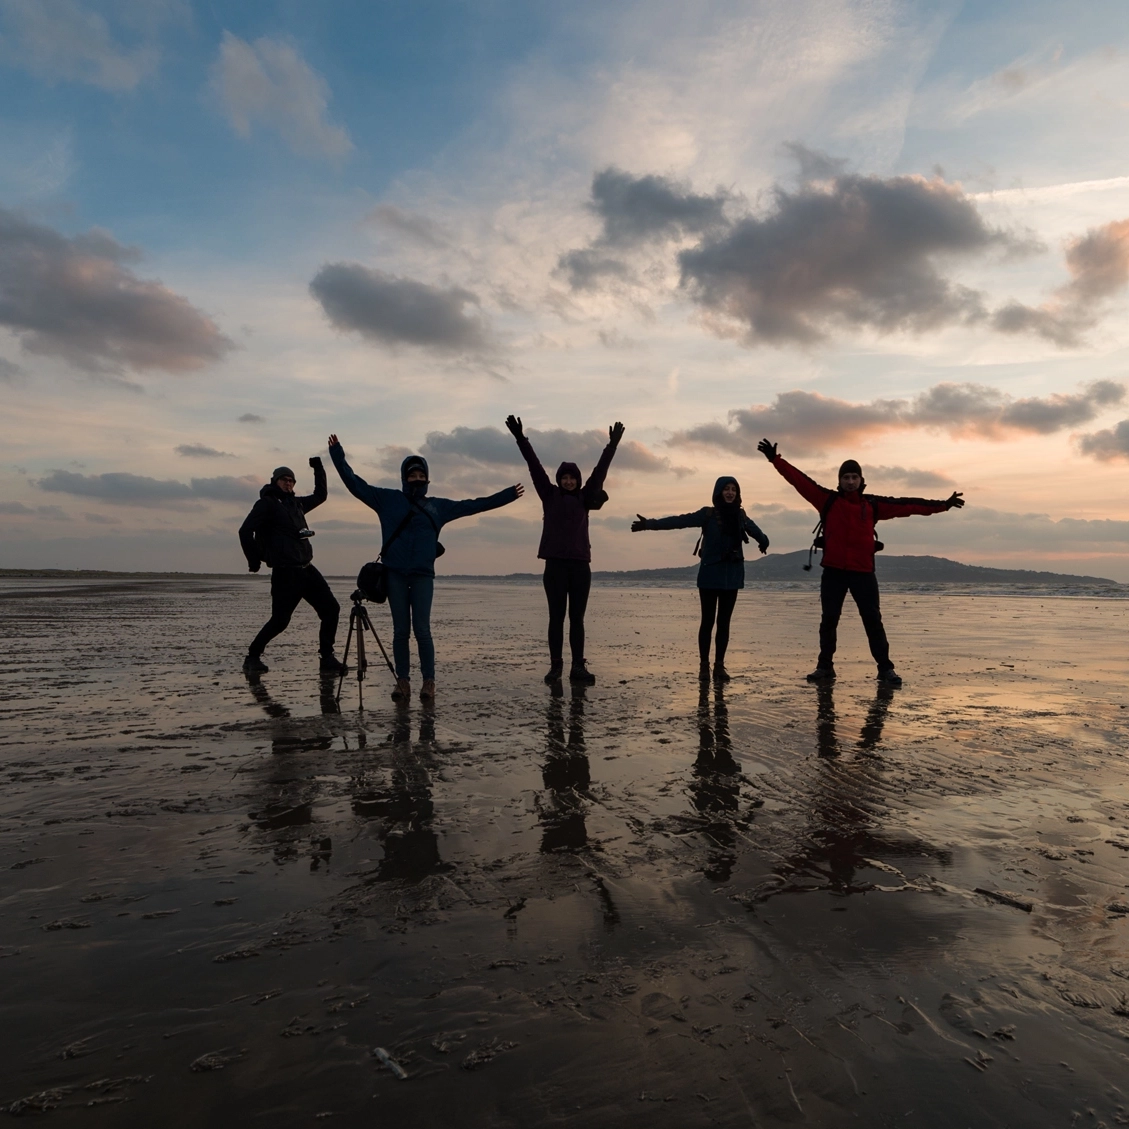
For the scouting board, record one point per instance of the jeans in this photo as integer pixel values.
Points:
(289, 586)
(409, 601)
(719, 602)
(863, 587)
(567, 584)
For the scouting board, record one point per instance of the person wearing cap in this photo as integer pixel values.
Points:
(276, 533)
(410, 522)
(565, 547)
(848, 517)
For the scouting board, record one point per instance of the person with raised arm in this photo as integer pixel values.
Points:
(565, 547)
(847, 518)
(410, 522)
(725, 529)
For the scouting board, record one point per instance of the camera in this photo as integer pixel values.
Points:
(304, 533)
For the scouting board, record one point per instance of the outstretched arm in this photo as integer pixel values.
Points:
(754, 531)
(451, 511)
(321, 489)
(247, 532)
(537, 472)
(676, 521)
(808, 489)
(372, 496)
(885, 508)
(595, 484)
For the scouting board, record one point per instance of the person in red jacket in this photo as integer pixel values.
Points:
(848, 516)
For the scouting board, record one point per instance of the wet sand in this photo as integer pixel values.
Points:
(637, 905)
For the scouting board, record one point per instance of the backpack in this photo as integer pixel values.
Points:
(819, 540)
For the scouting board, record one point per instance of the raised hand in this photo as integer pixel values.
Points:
(519, 489)
(334, 441)
(315, 461)
(767, 449)
(514, 424)
(615, 433)
(954, 501)
(639, 525)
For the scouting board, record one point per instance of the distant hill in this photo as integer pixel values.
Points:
(778, 568)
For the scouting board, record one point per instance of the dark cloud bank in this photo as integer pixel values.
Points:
(809, 423)
(400, 311)
(141, 490)
(840, 251)
(76, 298)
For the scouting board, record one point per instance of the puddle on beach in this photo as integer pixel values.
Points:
(643, 903)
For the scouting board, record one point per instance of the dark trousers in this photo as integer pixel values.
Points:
(716, 603)
(567, 584)
(289, 586)
(863, 587)
(409, 601)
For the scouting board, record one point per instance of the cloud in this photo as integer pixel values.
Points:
(126, 489)
(1111, 443)
(10, 372)
(418, 228)
(907, 476)
(75, 298)
(18, 509)
(101, 519)
(200, 451)
(64, 40)
(814, 164)
(491, 446)
(1098, 263)
(812, 423)
(250, 417)
(636, 210)
(399, 311)
(855, 252)
(269, 83)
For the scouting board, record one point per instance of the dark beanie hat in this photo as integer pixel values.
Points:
(282, 472)
(850, 467)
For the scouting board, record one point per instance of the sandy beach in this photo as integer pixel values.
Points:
(641, 904)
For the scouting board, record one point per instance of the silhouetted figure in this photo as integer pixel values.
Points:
(566, 775)
(715, 789)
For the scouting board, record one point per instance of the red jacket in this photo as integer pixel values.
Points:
(849, 528)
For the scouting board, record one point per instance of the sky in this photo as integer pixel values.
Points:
(871, 229)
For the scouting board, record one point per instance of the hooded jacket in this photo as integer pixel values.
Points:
(849, 528)
(723, 561)
(415, 549)
(270, 532)
(565, 531)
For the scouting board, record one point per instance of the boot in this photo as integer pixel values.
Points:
(822, 674)
(427, 691)
(403, 691)
(556, 669)
(720, 674)
(330, 664)
(889, 677)
(704, 672)
(580, 674)
(253, 664)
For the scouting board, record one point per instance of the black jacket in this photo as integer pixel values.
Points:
(270, 532)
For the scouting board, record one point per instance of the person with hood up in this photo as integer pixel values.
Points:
(725, 528)
(410, 522)
(565, 547)
(276, 532)
(847, 518)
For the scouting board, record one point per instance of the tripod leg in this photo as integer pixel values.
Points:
(345, 657)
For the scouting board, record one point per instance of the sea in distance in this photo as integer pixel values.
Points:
(650, 902)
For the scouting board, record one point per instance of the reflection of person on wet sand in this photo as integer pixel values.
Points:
(715, 790)
(847, 518)
(826, 740)
(566, 775)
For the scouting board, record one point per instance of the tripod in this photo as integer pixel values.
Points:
(358, 622)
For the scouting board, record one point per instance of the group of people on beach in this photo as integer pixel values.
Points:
(276, 533)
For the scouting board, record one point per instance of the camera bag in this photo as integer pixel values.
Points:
(372, 580)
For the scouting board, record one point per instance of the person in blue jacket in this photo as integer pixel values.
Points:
(410, 523)
(725, 528)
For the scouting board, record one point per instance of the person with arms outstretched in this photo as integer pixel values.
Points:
(276, 532)
(565, 547)
(410, 522)
(725, 529)
(847, 518)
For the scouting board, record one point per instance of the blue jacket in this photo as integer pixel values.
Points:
(415, 549)
(723, 562)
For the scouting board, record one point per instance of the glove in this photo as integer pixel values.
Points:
(639, 524)
(767, 449)
(254, 567)
(954, 501)
(763, 546)
(615, 433)
(315, 461)
(514, 424)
